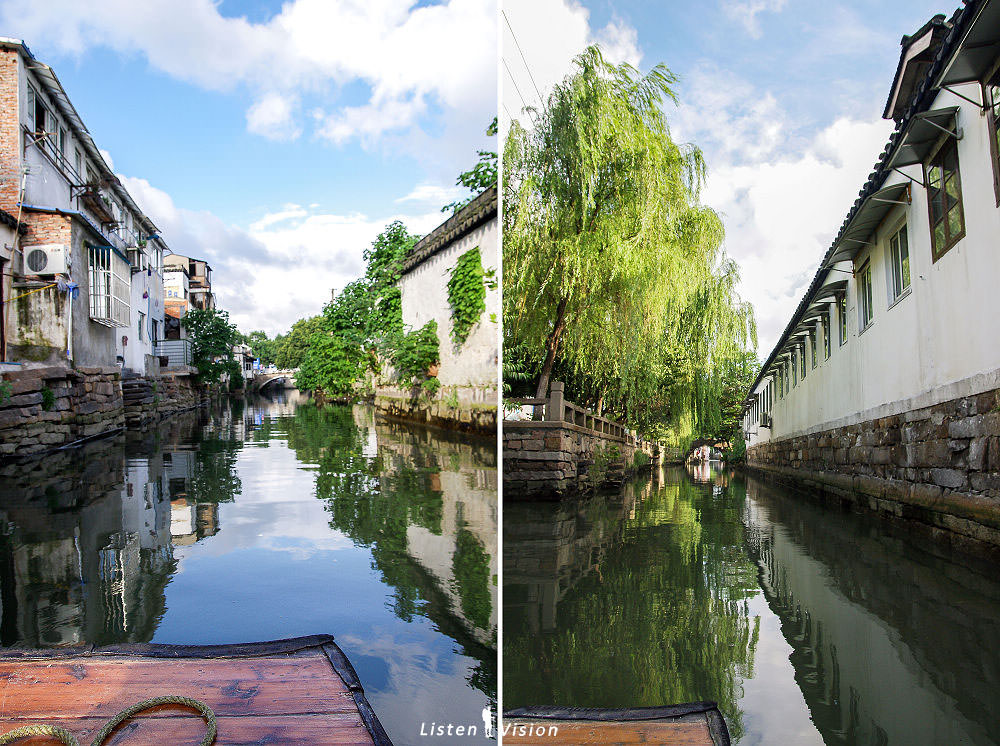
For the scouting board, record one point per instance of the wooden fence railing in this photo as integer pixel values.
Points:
(556, 408)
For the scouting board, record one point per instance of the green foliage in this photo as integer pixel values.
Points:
(480, 177)
(331, 365)
(48, 399)
(212, 337)
(6, 389)
(466, 294)
(470, 567)
(296, 343)
(264, 349)
(640, 459)
(615, 277)
(412, 355)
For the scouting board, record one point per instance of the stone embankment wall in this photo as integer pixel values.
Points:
(466, 408)
(45, 408)
(556, 458)
(939, 465)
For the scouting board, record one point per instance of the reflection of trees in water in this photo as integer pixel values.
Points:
(470, 566)
(662, 619)
(374, 498)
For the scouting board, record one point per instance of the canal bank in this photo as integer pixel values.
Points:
(806, 624)
(254, 514)
(49, 407)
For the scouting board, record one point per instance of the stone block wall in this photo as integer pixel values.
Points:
(556, 458)
(466, 408)
(45, 408)
(939, 465)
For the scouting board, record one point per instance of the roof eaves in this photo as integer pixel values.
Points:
(922, 100)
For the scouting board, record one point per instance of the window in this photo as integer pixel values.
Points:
(825, 323)
(842, 317)
(787, 366)
(944, 197)
(991, 96)
(31, 109)
(62, 141)
(795, 367)
(155, 336)
(899, 264)
(865, 307)
(78, 162)
(812, 346)
(802, 362)
(109, 285)
(781, 383)
(142, 325)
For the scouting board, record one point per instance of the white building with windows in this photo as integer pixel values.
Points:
(85, 279)
(900, 320)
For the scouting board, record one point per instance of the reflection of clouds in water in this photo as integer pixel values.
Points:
(421, 680)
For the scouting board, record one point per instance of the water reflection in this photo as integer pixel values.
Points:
(806, 625)
(271, 519)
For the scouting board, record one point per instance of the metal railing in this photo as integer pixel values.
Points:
(177, 352)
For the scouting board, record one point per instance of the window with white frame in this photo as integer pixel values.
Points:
(802, 362)
(109, 285)
(899, 264)
(812, 346)
(991, 98)
(141, 325)
(825, 323)
(866, 308)
(842, 317)
(795, 366)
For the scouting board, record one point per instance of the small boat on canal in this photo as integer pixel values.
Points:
(302, 690)
(693, 724)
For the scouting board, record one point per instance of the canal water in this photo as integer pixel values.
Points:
(806, 624)
(262, 520)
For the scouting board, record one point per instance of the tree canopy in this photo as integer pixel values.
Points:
(212, 337)
(614, 273)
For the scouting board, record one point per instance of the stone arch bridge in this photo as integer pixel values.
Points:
(279, 379)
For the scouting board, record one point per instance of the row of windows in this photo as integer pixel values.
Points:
(947, 228)
(51, 136)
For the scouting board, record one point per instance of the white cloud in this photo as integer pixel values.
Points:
(272, 117)
(282, 269)
(433, 194)
(107, 158)
(407, 57)
(746, 12)
(551, 33)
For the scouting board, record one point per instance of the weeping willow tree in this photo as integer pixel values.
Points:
(614, 273)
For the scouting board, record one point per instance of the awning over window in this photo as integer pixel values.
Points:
(922, 134)
(835, 285)
(867, 219)
(978, 49)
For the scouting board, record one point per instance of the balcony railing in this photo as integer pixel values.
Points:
(176, 351)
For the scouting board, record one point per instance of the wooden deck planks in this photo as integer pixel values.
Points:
(287, 695)
(579, 733)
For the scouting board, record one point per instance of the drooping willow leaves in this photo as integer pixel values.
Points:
(614, 274)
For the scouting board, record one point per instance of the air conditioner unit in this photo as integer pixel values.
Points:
(46, 259)
(135, 259)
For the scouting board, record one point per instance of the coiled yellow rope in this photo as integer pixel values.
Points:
(67, 738)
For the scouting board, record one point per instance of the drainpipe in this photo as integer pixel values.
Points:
(69, 328)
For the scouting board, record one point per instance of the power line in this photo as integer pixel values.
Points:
(524, 104)
(523, 59)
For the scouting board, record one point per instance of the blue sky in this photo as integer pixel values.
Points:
(785, 98)
(287, 132)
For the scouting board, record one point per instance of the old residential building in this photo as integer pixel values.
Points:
(83, 283)
(885, 385)
(199, 280)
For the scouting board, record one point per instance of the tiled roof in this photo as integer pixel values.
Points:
(482, 209)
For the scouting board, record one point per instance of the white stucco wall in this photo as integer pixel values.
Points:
(937, 343)
(424, 292)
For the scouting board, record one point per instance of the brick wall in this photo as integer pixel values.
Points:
(10, 140)
(939, 465)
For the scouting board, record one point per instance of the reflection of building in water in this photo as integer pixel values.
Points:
(460, 553)
(548, 549)
(879, 626)
(190, 521)
(85, 552)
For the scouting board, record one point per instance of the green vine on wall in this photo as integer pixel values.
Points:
(413, 354)
(467, 293)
